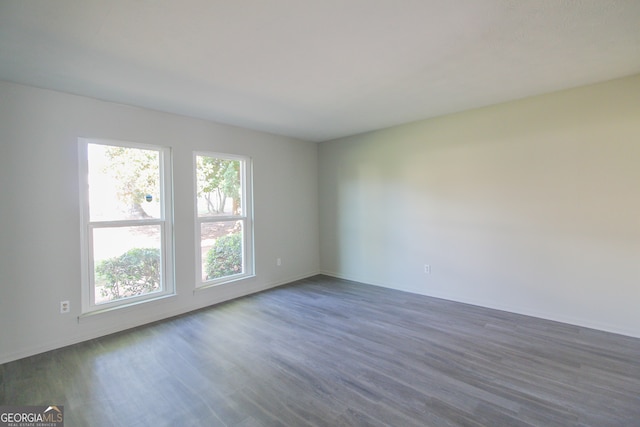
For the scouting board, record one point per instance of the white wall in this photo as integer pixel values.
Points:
(39, 212)
(530, 206)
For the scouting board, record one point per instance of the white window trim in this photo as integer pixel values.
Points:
(246, 217)
(86, 227)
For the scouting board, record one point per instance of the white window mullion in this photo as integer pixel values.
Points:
(125, 223)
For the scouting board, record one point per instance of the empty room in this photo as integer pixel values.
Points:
(320, 213)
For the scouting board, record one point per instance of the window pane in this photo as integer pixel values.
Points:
(124, 183)
(219, 186)
(127, 262)
(221, 249)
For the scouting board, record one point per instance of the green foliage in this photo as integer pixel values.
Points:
(218, 179)
(225, 257)
(231, 183)
(136, 173)
(135, 272)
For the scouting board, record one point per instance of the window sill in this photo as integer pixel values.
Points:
(90, 314)
(206, 286)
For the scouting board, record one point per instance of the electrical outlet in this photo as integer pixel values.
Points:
(278, 262)
(427, 269)
(65, 307)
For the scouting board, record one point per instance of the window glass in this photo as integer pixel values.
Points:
(223, 231)
(126, 211)
(124, 183)
(219, 186)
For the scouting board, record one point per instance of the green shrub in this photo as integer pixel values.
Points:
(225, 257)
(135, 272)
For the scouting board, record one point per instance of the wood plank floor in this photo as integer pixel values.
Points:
(327, 352)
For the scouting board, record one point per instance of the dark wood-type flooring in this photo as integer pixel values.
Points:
(327, 352)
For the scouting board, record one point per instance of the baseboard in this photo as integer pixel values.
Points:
(584, 323)
(58, 344)
(31, 351)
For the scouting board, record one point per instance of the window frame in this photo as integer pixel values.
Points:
(246, 202)
(165, 222)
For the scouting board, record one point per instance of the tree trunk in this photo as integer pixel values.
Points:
(210, 207)
(137, 211)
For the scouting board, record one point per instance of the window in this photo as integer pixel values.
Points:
(224, 232)
(126, 223)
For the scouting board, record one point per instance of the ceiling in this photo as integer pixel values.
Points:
(316, 70)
